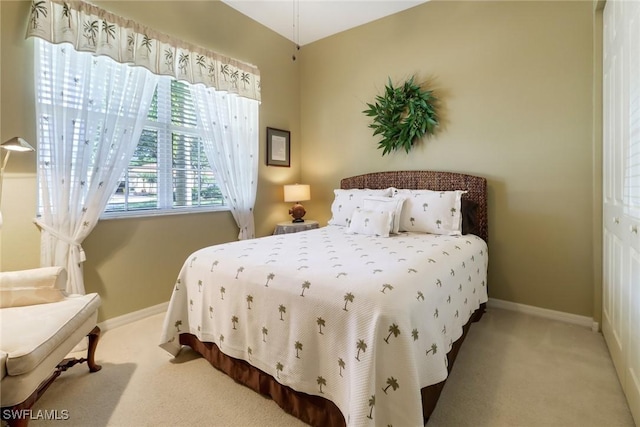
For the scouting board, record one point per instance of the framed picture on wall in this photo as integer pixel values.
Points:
(278, 147)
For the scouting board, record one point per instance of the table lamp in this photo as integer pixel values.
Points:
(14, 144)
(297, 193)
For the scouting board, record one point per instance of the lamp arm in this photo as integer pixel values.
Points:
(6, 159)
(4, 165)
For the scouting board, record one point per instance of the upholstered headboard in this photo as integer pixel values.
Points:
(475, 186)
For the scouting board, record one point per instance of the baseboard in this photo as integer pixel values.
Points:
(132, 317)
(574, 319)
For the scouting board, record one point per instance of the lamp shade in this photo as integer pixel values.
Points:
(297, 193)
(17, 144)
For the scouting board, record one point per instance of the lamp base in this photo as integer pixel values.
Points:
(297, 212)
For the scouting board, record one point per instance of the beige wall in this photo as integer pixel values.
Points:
(133, 263)
(516, 81)
(516, 84)
(598, 8)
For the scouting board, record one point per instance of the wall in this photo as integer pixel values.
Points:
(133, 263)
(516, 83)
(598, 8)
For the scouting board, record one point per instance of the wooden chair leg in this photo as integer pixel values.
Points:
(18, 422)
(94, 336)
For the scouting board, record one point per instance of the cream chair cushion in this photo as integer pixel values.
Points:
(29, 334)
(29, 287)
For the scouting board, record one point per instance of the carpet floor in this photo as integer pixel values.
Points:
(513, 370)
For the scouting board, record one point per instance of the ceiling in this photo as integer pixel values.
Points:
(305, 21)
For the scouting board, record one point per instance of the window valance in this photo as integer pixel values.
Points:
(92, 29)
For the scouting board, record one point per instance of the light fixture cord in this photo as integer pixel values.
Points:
(295, 19)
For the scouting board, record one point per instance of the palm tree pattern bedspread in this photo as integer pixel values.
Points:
(363, 321)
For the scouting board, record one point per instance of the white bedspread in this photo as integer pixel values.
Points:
(363, 321)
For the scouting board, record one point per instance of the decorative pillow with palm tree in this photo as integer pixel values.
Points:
(346, 201)
(371, 223)
(434, 212)
(387, 204)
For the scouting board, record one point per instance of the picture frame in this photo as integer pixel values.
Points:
(278, 147)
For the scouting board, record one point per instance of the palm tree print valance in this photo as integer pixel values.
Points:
(92, 29)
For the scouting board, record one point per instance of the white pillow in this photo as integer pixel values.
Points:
(435, 212)
(370, 223)
(346, 201)
(387, 204)
(30, 287)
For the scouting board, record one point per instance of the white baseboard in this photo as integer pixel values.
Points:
(132, 317)
(574, 319)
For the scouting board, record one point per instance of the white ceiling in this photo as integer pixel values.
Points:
(305, 21)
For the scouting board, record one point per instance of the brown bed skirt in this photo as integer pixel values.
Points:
(313, 410)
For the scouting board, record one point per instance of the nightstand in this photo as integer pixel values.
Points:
(287, 227)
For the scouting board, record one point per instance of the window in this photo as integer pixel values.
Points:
(169, 171)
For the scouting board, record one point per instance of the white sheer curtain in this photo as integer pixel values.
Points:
(229, 131)
(90, 112)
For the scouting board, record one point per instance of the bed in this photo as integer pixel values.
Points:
(340, 327)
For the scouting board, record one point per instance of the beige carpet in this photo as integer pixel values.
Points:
(513, 370)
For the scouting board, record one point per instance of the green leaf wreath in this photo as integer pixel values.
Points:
(403, 115)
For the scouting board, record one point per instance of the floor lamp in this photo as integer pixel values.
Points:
(14, 144)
